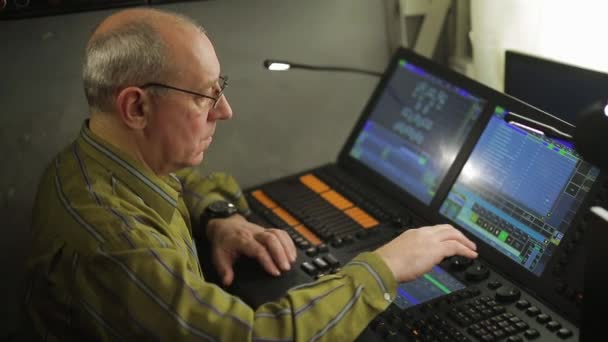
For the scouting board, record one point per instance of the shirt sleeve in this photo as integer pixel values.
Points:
(199, 191)
(148, 292)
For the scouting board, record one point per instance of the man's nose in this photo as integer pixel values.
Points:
(222, 111)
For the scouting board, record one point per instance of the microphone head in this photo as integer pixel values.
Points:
(591, 134)
(275, 65)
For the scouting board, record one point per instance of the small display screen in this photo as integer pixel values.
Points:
(416, 129)
(519, 191)
(433, 284)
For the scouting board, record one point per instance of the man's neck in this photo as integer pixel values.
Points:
(105, 126)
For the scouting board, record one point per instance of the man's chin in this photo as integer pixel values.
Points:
(196, 160)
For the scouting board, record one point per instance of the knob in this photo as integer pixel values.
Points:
(507, 294)
(460, 263)
(477, 272)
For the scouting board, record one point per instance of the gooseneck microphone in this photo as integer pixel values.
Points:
(280, 65)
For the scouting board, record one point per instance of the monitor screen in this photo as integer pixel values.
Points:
(434, 284)
(416, 129)
(518, 192)
(559, 89)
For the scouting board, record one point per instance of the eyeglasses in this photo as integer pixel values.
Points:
(223, 84)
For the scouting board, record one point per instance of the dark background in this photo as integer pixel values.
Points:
(283, 123)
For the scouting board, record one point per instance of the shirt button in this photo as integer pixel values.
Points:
(387, 296)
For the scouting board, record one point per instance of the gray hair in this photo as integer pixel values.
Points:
(133, 54)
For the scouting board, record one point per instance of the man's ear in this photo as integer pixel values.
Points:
(132, 105)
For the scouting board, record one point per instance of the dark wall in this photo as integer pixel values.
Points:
(283, 123)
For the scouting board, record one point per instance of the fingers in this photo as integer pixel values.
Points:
(271, 240)
(450, 233)
(254, 249)
(287, 242)
(453, 247)
(223, 266)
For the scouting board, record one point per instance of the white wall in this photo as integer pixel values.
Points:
(573, 32)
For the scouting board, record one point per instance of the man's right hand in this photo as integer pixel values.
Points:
(416, 251)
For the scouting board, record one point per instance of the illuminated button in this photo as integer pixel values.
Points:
(531, 334)
(564, 333)
(301, 243)
(553, 325)
(323, 248)
(309, 268)
(521, 325)
(532, 311)
(321, 264)
(543, 318)
(332, 261)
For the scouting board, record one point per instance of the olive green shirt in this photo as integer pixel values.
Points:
(113, 258)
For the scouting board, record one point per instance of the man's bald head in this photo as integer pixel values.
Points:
(130, 47)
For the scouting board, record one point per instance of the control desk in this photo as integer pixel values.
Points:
(432, 147)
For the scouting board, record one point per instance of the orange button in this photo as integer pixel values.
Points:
(361, 217)
(264, 199)
(314, 183)
(308, 235)
(337, 200)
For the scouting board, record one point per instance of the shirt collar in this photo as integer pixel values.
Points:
(159, 192)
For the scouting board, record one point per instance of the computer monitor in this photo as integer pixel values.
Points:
(559, 89)
(519, 192)
(415, 128)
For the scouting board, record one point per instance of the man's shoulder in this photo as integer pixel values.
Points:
(77, 191)
(72, 176)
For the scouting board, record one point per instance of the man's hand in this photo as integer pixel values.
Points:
(235, 236)
(416, 251)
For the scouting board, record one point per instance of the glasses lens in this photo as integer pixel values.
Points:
(223, 84)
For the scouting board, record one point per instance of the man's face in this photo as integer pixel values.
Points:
(181, 125)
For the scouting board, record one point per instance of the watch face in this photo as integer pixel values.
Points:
(223, 208)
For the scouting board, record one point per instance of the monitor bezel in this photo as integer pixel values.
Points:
(526, 279)
(430, 213)
(401, 196)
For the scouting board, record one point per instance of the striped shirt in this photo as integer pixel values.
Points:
(113, 258)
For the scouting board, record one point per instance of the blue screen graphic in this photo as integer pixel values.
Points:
(416, 129)
(519, 192)
(431, 285)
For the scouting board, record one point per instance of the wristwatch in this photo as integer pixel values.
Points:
(217, 209)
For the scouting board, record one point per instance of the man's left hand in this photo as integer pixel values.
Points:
(235, 236)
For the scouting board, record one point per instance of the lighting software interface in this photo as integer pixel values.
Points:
(416, 129)
(519, 191)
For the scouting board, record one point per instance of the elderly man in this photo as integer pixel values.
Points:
(113, 255)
